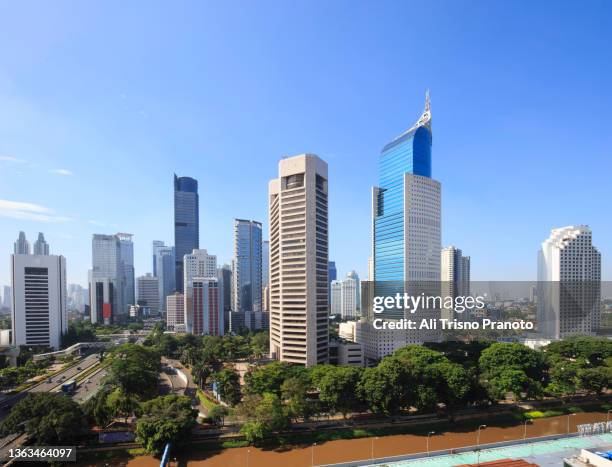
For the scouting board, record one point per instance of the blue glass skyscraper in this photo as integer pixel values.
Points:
(409, 153)
(186, 223)
(406, 231)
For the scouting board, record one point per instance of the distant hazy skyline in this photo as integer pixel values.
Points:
(102, 102)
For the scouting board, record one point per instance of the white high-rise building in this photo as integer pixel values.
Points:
(336, 297)
(298, 201)
(39, 315)
(198, 264)
(569, 283)
(22, 246)
(175, 312)
(41, 247)
(148, 292)
(454, 278)
(345, 296)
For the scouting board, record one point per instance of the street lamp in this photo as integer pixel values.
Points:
(568, 419)
(525, 431)
(478, 434)
(372, 450)
(428, 435)
(312, 454)
(248, 452)
(609, 410)
(478, 443)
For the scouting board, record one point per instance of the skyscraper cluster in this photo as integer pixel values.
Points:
(290, 276)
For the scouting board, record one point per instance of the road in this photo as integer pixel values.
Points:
(65, 375)
(89, 386)
(191, 389)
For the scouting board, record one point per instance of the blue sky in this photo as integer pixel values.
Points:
(101, 102)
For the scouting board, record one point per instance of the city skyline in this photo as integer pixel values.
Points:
(503, 146)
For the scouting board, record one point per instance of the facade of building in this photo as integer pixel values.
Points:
(197, 264)
(22, 246)
(299, 308)
(350, 296)
(247, 266)
(265, 274)
(175, 312)
(406, 229)
(332, 275)
(454, 279)
(39, 316)
(127, 267)
(165, 270)
(351, 331)
(106, 280)
(186, 223)
(336, 298)
(569, 284)
(7, 296)
(148, 292)
(343, 352)
(242, 321)
(154, 247)
(207, 317)
(41, 247)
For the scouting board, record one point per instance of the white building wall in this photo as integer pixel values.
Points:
(39, 314)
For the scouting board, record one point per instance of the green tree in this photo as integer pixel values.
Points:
(269, 378)
(47, 418)
(200, 373)
(512, 368)
(269, 416)
(96, 408)
(121, 404)
(218, 413)
(165, 419)
(338, 389)
(294, 394)
(135, 369)
(595, 380)
(388, 387)
(228, 385)
(260, 345)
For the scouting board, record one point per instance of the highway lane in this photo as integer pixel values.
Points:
(88, 387)
(65, 375)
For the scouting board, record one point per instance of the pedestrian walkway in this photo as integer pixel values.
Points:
(527, 451)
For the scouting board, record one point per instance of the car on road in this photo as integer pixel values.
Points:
(79, 368)
(49, 381)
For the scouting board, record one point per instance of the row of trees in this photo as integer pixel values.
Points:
(440, 376)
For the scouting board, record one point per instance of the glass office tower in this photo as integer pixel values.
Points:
(408, 153)
(186, 223)
(247, 265)
(406, 231)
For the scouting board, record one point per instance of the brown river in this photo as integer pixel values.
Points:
(330, 452)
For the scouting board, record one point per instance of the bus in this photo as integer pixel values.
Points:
(69, 387)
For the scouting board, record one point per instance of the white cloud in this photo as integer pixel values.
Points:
(29, 211)
(97, 223)
(65, 172)
(12, 160)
